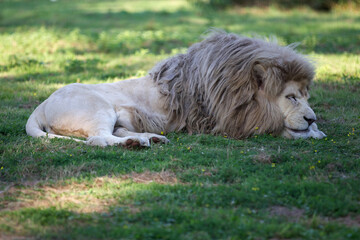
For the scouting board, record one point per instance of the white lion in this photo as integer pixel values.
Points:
(226, 84)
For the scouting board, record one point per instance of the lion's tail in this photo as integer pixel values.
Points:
(35, 128)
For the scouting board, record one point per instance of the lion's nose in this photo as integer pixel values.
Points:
(309, 120)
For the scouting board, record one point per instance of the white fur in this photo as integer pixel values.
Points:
(98, 112)
(226, 84)
(294, 112)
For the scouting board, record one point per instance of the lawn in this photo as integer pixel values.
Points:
(199, 186)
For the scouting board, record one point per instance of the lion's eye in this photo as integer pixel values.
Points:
(291, 97)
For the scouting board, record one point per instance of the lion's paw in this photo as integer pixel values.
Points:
(159, 139)
(312, 132)
(315, 132)
(96, 141)
(135, 142)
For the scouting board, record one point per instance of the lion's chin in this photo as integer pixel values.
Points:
(297, 130)
(311, 132)
(295, 134)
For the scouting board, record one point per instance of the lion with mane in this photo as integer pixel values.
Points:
(226, 84)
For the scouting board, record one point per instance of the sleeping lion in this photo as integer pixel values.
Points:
(226, 84)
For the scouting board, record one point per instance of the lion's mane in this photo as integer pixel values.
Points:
(228, 84)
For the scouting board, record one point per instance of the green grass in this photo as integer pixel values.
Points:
(196, 187)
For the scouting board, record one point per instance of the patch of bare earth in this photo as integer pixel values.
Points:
(59, 196)
(348, 221)
(8, 237)
(77, 197)
(296, 214)
(163, 177)
(263, 158)
(292, 214)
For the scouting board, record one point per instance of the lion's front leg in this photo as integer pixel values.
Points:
(151, 137)
(142, 122)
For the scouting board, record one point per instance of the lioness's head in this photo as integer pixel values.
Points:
(299, 118)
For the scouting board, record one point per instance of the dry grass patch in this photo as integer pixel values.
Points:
(263, 158)
(292, 214)
(347, 221)
(8, 237)
(75, 197)
(295, 214)
(163, 177)
(96, 196)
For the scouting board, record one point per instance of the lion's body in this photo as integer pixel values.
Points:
(225, 84)
(88, 110)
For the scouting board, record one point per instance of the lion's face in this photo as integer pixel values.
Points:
(299, 118)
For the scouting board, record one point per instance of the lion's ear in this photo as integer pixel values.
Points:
(268, 79)
(259, 73)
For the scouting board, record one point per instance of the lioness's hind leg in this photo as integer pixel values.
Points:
(155, 138)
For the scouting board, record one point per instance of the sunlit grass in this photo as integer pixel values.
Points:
(338, 68)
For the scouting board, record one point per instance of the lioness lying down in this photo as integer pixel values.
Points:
(226, 84)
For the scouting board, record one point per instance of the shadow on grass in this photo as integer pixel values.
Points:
(115, 209)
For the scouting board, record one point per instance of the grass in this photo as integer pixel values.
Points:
(199, 186)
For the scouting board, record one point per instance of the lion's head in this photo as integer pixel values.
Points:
(299, 118)
(238, 86)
